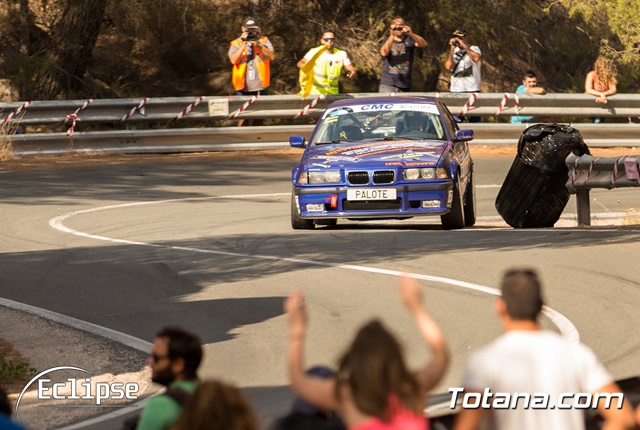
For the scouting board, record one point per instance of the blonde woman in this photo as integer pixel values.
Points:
(601, 82)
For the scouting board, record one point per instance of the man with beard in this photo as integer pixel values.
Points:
(175, 357)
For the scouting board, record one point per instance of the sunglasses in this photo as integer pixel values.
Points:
(156, 358)
(398, 28)
(329, 39)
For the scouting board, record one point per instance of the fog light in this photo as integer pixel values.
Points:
(315, 208)
(431, 203)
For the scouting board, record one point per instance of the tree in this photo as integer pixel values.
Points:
(70, 49)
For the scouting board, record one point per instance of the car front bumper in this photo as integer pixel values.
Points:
(318, 202)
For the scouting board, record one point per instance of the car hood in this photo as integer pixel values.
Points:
(394, 153)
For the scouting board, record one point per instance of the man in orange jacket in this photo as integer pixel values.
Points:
(251, 55)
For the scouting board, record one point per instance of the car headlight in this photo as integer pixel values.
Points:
(324, 177)
(425, 173)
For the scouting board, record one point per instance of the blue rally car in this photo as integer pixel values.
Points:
(384, 158)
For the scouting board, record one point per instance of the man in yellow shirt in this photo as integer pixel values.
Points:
(327, 62)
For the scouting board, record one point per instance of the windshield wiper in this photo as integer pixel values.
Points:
(402, 138)
(334, 141)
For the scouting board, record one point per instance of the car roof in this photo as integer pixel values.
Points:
(384, 99)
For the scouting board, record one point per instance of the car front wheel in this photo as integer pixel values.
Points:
(297, 222)
(454, 219)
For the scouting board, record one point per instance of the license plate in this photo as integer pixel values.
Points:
(371, 194)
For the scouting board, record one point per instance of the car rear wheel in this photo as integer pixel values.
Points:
(470, 201)
(455, 218)
(297, 222)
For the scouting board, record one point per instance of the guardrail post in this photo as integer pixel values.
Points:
(584, 209)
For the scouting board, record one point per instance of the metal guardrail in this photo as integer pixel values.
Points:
(171, 112)
(288, 106)
(587, 172)
(265, 137)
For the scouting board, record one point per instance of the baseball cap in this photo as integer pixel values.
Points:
(300, 405)
(251, 22)
(460, 32)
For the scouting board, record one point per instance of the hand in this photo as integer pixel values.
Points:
(243, 36)
(601, 99)
(295, 308)
(351, 74)
(410, 293)
(407, 30)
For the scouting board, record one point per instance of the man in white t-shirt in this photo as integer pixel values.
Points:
(527, 359)
(328, 63)
(464, 63)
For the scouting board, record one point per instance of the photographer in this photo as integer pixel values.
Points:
(397, 51)
(464, 63)
(251, 55)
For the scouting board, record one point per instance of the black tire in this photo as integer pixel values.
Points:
(454, 219)
(470, 201)
(329, 222)
(297, 222)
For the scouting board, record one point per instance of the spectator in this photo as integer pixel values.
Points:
(305, 416)
(464, 63)
(323, 67)
(174, 361)
(529, 86)
(601, 82)
(251, 55)
(397, 51)
(6, 423)
(527, 359)
(394, 397)
(215, 405)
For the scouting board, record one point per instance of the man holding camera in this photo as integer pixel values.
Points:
(251, 55)
(397, 51)
(464, 63)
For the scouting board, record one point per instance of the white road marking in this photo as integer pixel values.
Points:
(560, 321)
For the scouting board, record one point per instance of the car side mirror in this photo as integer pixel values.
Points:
(296, 141)
(463, 135)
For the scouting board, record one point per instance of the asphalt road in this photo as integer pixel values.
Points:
(209, 246)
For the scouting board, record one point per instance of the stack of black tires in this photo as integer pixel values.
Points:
(533, 193)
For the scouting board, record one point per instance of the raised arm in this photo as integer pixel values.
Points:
(615, 418)
(431, 373)
(318, 392)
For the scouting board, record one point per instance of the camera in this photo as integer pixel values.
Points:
(456, 42)
(252, 34)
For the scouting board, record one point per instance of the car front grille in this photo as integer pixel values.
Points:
(358, 178)
(383, 177)
(379, 177)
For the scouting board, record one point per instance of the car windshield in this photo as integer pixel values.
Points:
(386, 121)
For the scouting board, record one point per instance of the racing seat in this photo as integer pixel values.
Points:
(350, 132)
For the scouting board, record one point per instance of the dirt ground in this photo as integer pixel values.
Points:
(100, 159)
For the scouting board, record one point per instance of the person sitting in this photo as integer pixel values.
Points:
(414, 125)
(395, 398)
(305, 416)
